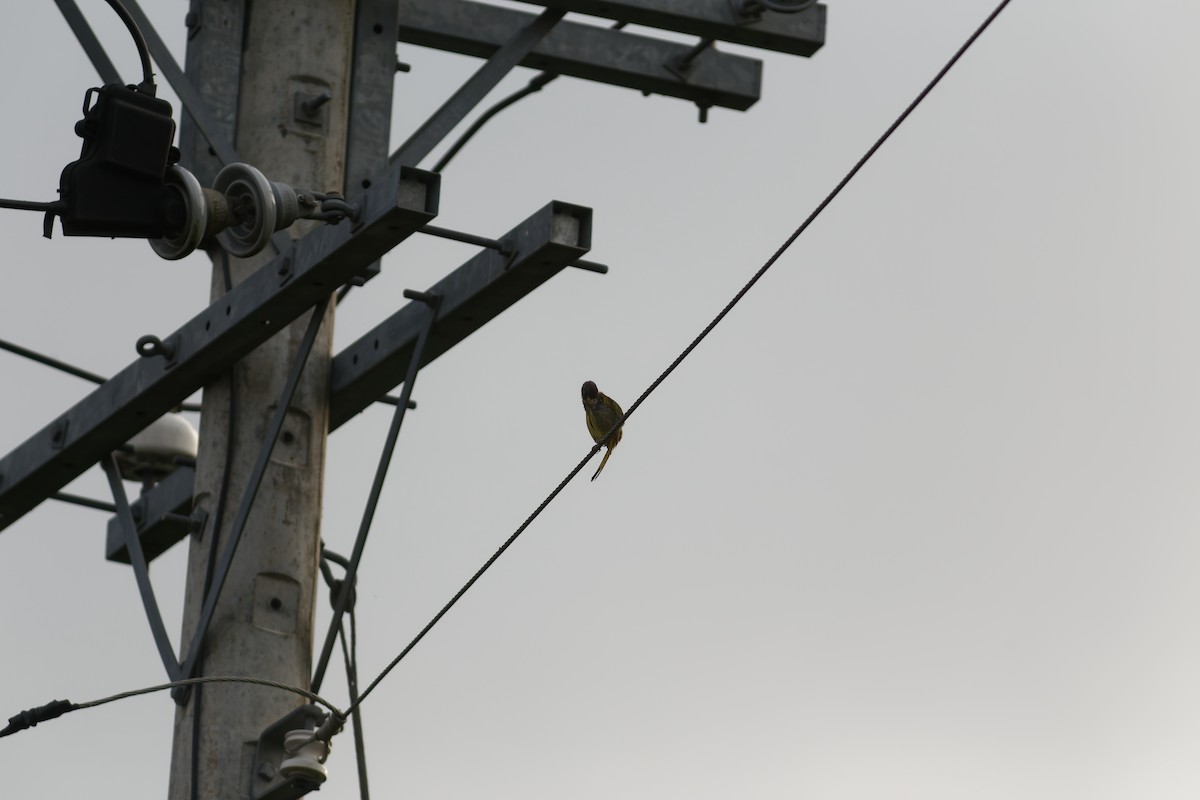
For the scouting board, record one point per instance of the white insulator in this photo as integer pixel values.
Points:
(252, 199)
(306, 757)
(189, 236)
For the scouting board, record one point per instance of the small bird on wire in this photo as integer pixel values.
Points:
(602, 413)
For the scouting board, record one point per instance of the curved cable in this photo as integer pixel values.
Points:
(687, 351)
(56, 708)
(139, 41)
(313, 696)
(535, 85)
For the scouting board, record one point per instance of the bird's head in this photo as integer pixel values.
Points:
(590, 393)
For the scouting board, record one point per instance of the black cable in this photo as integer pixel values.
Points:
(686, 352)
(56, 708)
(139, 41)
(70, 369)
(31, 205)
(535, 85)
(51, 362)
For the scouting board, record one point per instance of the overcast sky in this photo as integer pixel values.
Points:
(918, 520)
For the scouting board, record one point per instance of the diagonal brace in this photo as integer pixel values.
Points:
(140, 571)
(252, 486)
(87, 39)
(434, 129)
(433, 301)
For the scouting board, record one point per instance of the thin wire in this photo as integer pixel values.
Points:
(535, 85)
(63, 366)
(70, 369)
(478, 574)
(316, 698)
(687, 351)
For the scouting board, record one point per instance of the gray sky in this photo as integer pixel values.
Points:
(918, 520)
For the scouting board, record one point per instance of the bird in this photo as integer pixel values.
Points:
(601, 413)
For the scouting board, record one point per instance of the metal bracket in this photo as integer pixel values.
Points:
(140, 571)
(590, 52)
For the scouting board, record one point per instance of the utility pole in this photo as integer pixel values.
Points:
(299, 93)
(291, 104)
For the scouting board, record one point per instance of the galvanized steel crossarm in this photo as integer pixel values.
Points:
(478, 291)
(396, 206)
(799, 34)
(585, 51)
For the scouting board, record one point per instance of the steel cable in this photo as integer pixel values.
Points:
(687, 350)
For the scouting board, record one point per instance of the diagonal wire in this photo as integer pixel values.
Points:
(70, 369)
(688, 350)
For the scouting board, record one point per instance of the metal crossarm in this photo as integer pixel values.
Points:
(279, 292)
(586, 51)
(478, 291)
(797, 34)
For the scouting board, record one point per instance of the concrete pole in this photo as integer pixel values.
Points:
(263, 625)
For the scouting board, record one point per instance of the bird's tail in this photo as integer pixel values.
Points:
(603, 461)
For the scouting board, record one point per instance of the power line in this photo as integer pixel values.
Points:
(56, 708)
(688, 350)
